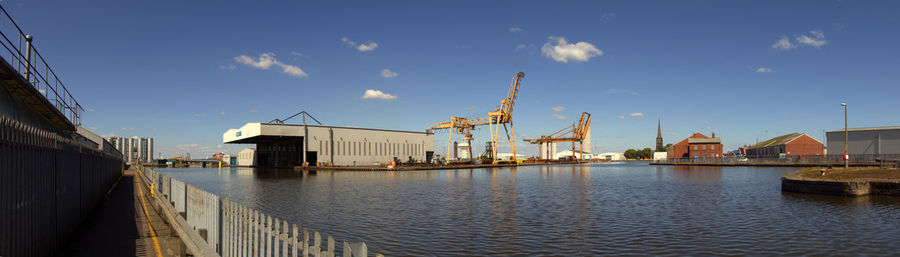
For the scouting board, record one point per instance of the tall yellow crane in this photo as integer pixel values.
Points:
(574, 133)
(500, 116)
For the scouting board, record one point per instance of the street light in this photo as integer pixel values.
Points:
(846, 157)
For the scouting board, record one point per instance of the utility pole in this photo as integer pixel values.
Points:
(846, 156)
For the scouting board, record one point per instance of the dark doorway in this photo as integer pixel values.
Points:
(428, 156)
(311, 158)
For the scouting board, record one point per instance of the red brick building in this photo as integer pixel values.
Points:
(791, 144)
(697, 146)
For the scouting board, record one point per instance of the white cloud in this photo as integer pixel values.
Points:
(564, 52)
(377, 94)
(708, 128)
(783, 44)
(764, 69)
(817, 33)
(254, 110)
(816, 38)
(362, 47)
(367, 47)
(521, 47)
(636, 114)
(127, 128)
(89, 109)
(199, 114)
(807, 40)
(516, 29)
(559, 109)
(387, 73)
(293, 71)
(560, 117)
(298, 54)
(621, 117)
(267, 60)
(222, 113)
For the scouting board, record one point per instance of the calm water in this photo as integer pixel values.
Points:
(596, 209)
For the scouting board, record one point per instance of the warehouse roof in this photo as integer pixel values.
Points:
(867, 129)
(779, 140)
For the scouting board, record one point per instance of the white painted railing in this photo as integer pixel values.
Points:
(231, 229)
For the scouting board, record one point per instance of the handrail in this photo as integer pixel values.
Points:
(32, 65)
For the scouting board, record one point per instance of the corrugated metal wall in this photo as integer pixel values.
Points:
(48, 185)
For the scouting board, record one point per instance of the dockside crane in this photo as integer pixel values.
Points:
(500, 116)
(574, 133)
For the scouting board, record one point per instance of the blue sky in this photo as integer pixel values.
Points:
(184, 72)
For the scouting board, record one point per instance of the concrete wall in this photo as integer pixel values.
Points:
(867, 142)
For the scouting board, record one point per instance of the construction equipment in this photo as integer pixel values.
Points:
(500, 116)
(574, 133)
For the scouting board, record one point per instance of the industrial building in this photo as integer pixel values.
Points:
(247, 157)
(289, 145)
(697, 146)
(611, 156)
(865, 141)
(791, 144)
(568, 153)
(134, 149)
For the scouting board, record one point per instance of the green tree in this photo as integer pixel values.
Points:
(646, 153)
(631, 154)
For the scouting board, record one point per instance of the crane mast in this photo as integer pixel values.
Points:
(575, 133)
(500, 116)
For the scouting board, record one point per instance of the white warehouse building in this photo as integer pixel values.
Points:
(289, 145)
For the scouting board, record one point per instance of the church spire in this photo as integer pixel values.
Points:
(659, 140)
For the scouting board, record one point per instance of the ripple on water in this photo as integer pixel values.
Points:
(621, 209)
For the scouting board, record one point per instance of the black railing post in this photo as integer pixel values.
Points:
(28, 39)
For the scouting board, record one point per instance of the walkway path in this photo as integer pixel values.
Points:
(125, 224)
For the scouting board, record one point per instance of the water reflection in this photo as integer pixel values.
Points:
(702, 174)
(571, 210)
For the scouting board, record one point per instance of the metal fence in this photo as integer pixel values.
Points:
(830, 159)
(31, 64)
(231, 229)
(48, 186)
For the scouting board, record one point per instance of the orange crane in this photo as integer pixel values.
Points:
(574, 133)
(500, 116)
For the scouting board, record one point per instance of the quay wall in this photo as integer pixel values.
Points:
(49, 184)
(210, 225)
(797, 184)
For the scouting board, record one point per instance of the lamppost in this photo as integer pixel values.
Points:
(846, 157)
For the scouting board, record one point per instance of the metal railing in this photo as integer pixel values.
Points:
(227, 228)
(31, 65)
(830, 159)
(49, 184)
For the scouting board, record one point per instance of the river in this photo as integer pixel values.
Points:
(573, 210)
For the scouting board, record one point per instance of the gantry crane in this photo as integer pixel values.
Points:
(500, 116)
(574, 133)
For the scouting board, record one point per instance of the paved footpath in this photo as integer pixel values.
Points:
(125, 224)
